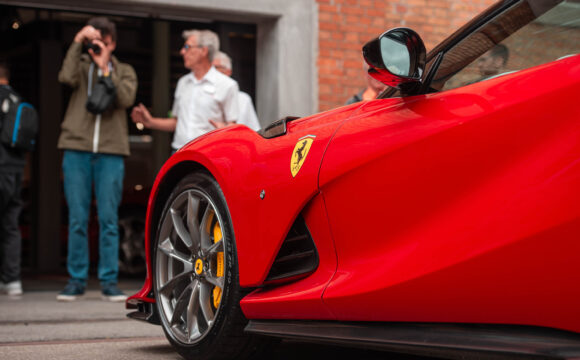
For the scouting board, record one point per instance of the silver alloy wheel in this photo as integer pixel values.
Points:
(190, 266)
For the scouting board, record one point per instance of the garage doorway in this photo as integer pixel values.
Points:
(34, 42)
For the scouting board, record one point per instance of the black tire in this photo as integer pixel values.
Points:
(181, 284)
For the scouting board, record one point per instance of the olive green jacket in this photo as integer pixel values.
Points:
(82, 130)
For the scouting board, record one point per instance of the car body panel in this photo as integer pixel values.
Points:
(462, 185)
(244, 164)
(304, 296)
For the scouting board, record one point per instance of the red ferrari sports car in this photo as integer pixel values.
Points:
(442, 218)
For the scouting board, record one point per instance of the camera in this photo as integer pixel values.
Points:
(96, 48)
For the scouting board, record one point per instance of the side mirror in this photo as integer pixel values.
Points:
(396, 58)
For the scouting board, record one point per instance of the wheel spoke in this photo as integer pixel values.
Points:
(214, 280)
(166, 227)
(181, 305)
(205, 302)
(180, 228)
(215, 248)
(170, 285)
(204, 232)
(192, 310)
(168, 249)
(193, 203)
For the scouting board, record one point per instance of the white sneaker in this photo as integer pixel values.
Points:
(13, 288)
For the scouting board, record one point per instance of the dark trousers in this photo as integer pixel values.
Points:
(10, 239)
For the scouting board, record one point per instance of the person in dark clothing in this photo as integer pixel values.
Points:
(11, 167)
(94, 148)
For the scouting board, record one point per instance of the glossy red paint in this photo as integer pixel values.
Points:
(468, 204)
(447, 190)
(244, 164)
(461, 202)
(302, 297)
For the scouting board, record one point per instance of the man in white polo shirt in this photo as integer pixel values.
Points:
(205, 99)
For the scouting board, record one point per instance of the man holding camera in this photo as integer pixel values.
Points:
(94, 137)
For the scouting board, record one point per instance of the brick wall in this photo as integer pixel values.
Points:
(346, 25)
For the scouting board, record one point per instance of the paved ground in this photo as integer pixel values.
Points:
(36, 326)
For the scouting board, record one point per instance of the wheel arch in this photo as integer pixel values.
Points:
(169, 181)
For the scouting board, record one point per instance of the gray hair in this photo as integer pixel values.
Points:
(225, 60)
(205, 38)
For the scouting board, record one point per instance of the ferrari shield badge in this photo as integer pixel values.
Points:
(300, 152)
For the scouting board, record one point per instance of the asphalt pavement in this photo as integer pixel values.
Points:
(36, 326)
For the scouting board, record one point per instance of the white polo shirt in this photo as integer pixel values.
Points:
(214, 97)
(248, 115)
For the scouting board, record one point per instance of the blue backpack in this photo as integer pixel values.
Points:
(19, 121)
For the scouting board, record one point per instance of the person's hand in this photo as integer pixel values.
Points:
(137, 115)
(103, 57)
(86, 34)
(140, 115)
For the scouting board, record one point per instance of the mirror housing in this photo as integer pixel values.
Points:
(396, 58)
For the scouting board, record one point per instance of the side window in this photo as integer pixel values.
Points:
(528, 34)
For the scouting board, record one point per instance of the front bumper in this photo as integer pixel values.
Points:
(146, 311)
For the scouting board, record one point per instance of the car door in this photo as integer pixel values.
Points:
(461, 205)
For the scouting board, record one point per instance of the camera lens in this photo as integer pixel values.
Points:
(96, 48)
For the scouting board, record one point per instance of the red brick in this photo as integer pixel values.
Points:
(380, 4)
(324, 88)
(328, 8)
(401, 9)
(338, 36)
(336, 53)
(327, 62)
(352, 19)
(325, 17)
(324, 35)
(366, 20)
(375, 13)
(355, 10)
(328, 44)
(345, 25)
(351, 37)
(328, 26)
(352, 64)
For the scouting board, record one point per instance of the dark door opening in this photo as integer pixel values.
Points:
(34, 42)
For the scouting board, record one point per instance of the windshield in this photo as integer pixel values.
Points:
(528, 34)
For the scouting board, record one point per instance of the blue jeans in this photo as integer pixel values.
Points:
(82, 171)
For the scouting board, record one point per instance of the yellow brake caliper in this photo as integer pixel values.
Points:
(217, 291)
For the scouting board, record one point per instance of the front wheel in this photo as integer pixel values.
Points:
(196, 273)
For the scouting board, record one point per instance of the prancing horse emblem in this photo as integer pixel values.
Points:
(300, 152)
(198, 266)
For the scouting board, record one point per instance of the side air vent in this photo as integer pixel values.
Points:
(297, 256)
